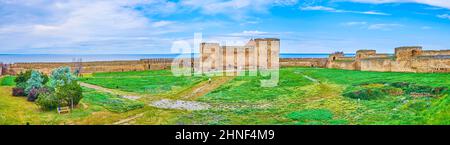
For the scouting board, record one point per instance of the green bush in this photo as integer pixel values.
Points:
(310, 114)
(363, 93)
(35, 81)
(61, 76)
(69, 93)
(392, 91)
(23, 77)
(47, 101)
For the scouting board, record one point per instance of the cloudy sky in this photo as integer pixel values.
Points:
(151, 26)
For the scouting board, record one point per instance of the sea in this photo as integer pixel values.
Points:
(18, 58)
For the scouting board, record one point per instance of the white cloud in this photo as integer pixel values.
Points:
(330, 9)
(237, 9)
(369, 26)
(82, 25)
(444, 16)
(354, 23)
(317, 8)
(437, 3)
(383, 26)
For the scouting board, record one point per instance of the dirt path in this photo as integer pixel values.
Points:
(127, 95)
(129, 119)
(186, 99)
(311, 79)
(204, 88)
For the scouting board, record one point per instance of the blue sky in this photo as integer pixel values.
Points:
(152, 26)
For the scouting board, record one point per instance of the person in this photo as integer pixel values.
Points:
(209, 80)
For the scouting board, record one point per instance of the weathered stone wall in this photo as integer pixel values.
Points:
(431, 64)
(98, 66)
(305, 62)
(143, 64)
(435, 52)
(376, 64)
(349, 65)
(406, 59)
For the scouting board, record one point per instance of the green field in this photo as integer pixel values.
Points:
(149, 82)
(303, 96)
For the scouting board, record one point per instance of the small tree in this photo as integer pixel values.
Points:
(35, 81)
(47, 101)
(22, 78)
(69, 93)
(61, 76)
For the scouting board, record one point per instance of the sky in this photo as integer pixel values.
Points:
(153, 26)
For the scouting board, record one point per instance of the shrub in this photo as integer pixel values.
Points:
(439, 90)
(364, 93)
(392, 91)
(23, 77)
(18, 92)
(47, 101)
(61, 76)
(69, 93)
(35, 82)
(400, 84)
(35, 93)
(418, 89)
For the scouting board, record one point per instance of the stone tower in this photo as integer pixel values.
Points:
(407, 53)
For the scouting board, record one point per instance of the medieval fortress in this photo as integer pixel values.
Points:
(405, 59)
(257, 54)
(263, 54)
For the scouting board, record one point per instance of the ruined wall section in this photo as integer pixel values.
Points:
(376, 64)
(303, 62)
(435, 52)
(435, 64)
(98, 66)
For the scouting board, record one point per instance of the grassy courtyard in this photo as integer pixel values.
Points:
(303, 96)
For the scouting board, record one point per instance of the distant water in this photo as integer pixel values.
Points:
(15, 58)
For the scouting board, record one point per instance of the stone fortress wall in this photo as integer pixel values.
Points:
(405, 59)
(256, 54)
(134, 65)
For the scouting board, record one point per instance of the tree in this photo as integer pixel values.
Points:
(69, 93)
(61, 76)
(35, 81)
(23, 77)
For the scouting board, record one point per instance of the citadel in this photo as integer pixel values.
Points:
(263, 54)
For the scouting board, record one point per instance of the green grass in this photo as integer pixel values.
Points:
(149, 82)
(349, 77)
(296, 100)
(312, 114)
(299, 101)
(7, 81)
(110, 102)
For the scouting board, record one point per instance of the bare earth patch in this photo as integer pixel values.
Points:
(178, 104)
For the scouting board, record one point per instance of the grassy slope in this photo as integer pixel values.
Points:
(7, 81)
(296, 94)
(152, 82)
(17, 110)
